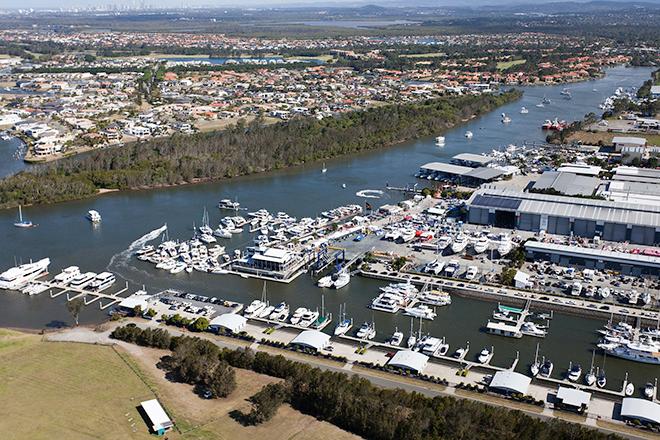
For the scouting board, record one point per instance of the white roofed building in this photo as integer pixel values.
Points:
(228, 321)
(409, 360)
(160, 421)
(313, 339)
(640, 409)
(509, 382)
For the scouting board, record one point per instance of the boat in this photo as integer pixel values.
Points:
(451, 269)
(82, 280)
(576, 288)
(297, 315)
(601, 379)
(629, 390)
(341, 280)
(469, 134)
(546, 368)
(545, 100)
(412, 339)
(266, 311)
(505, 246)
(67, 275)
(308, 318)
(505, 119)
(179, 267)
(229, 204)
(254, 308)
(344, 324)
(574, 372)
(565, 92)
(19, 276)
(524, 111)
(396, 338)
(442, 243)
(590, 377)
(459, 244)
(367, 331)
(325, 282)
(434, 298)
(536, 365)
(22, 223)
(639, 351)
(442, 349)
(649, 390)
(93, 216)
(435, 267)
(440, 141)
(531, 329)
(420, 311)
(102, 281)
(481, 245)
(324, 169)
(485, 356)
(222, 233)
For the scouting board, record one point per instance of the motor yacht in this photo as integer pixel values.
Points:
(443, 348)
(505, 119)
(67, 275)
(471, 273)
(297, 315)
(601, 379)
(649, 390)
(574, 372)
(629, 390)
(485, 356)
(179, 267)
(443, 242)
(396, 338)
(93, 216)
(229, 204)
(524, 111)
(102, 281)
(434, 267)
(342, 279)
(308, 318)
(434, 298)
(451, 269)
(420, 311)
(505, 246)
(280, 313)
(82, 280)
(440, 141)
(254, 308)
(387, 302)
(481, 245)
(531, 329)
(18, 277)
(367, 331)
(222, 233)
(325, 282)
(546, 368)
(266, 311)
(459, 244)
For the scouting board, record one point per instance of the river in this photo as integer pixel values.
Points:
(67, 238)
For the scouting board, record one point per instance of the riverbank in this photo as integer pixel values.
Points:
(241, 150)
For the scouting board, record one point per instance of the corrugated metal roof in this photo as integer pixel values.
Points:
(510, 381)
(567, 183)
(471, 157)
(484, 173)
(601, 254)
(640, 409)
(446, 168)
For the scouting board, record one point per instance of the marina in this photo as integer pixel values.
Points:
(69, 239)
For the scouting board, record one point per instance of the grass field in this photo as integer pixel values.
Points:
(58, 390)
(504, 65)
(592, 138)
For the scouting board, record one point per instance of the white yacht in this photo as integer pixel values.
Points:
(308, 318)
(229, 204)
(280, 313)
(524, 111)
(102, 281)
(18, 277)
(93, 216)
(420, 311)
(266, 311)
(396, 338)
(67, 275)
(440, 141)
(471, 273)
(82, 280)
(481, 245)
(645, 352)
(451, 269)
(649, 390)
(443, 242)
(435, 267)
(485, 356)
(254, 308)
(343, 327)
(531, 329)
(469, 134)
(325, 282)
(505, 119)
(222, 233)
(546, 368)
(367, 331)
(386, 302)
(342, 280)
(629, 390)
(459, 244)
(574, 372)
(505, 246)
(297, 315)
(435, 298)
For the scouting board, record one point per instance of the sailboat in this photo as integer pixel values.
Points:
(412, 339)
(22, 223)
(590, 378)
(324, 169)
(535, 368)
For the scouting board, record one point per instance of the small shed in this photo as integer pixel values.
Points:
(313, 339)
(160, 421)
(509, 382)
(229, 321)
(409, 360)
(521, 280)
(573, 399)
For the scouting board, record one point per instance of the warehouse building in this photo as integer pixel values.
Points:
(562, 215)
(440, 171)
(566, 183)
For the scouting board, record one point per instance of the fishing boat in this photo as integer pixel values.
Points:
(22, 223)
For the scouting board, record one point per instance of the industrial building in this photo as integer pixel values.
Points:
(409, 360)
(509, 382)
(640, 410)
(312, 339)
(468, 176)
(572, 399)
(583, 217)
(566, 183)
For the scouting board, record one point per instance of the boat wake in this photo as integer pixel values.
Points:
(121, 259)
(369, 193)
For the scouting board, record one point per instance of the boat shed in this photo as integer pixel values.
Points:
(573, 399)
(471, 160)
(566, 183)
(583, 217)
(313, 339)
(640, 409)
(627, 263)
(509, 382)
(409, 360)
(459, 174)
(229, 321)
(160, 421)
(634, 174)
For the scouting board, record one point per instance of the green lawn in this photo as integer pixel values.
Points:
(504, 65)
(51, 390)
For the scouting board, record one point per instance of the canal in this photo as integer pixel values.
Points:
(68, 239)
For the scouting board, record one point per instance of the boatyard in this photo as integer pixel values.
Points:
(377, 268)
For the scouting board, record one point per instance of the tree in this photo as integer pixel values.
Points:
(266, 402)
(200, 324)
(508, 273)
(221, 382)
(137, 310)
(74, 307)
